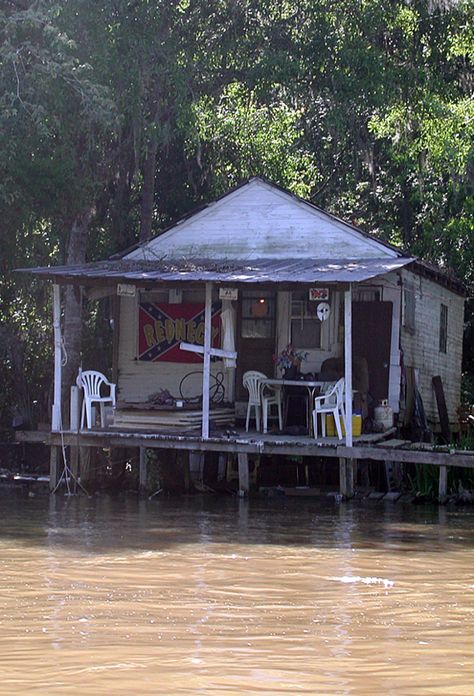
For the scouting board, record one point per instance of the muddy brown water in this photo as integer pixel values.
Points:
(224, 596)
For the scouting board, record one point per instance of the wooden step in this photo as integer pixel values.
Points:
(176, 418)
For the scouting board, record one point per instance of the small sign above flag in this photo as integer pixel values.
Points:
(228, 293)
(318, 294)
(126, 290)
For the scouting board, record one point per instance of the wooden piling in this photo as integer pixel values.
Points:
(342, 477)
(243, 459)
(443, 482)
(186, 470)
(351, 465)
(346, 477)
(85, 464)
(143, 471)
(74, 427)
(53, 468)
(196, 467)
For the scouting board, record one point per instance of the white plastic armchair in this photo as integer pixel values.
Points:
(262, 397)
(92, 383)
(331, 402)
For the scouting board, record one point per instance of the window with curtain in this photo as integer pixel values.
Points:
(258, 315)
(305, 325)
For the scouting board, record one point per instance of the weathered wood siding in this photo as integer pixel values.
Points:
(260, 221)
(137, 379)
(420, 344)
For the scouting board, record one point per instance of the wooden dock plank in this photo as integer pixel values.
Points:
(235, 441)
(393, 496)
(395, 443)
(409, 456)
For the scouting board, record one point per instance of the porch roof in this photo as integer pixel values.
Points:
(233, 271)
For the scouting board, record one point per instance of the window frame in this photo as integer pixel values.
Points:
(306, 315)
(248, 320)
(409, 308)
(443, 328)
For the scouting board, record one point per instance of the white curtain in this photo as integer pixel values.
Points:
(228, 332)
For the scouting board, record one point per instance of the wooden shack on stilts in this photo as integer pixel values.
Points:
(295, 284)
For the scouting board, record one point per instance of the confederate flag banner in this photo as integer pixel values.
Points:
(162, 327)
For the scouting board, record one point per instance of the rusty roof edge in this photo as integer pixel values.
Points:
(236, 271)
(167, 260)
(445, 277)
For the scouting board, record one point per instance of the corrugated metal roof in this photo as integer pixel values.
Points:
(231, 271)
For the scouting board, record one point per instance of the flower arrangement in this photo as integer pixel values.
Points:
(289, 358)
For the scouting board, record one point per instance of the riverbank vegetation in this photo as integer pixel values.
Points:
(118, 117)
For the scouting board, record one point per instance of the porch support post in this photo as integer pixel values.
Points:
(206, 377)
(56, 410)
(348, 362)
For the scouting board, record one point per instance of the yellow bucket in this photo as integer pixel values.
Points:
(331, 426)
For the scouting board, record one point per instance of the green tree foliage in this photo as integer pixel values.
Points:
(235, 137)
(116, 117)
(53, 119)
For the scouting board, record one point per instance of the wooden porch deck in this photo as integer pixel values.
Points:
(379, 447)
(233, 440)
(374, 446)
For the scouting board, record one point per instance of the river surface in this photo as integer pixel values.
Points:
(225, 596)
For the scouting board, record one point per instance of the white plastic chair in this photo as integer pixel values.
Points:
(92, 382)
(331, 402)
(262, 397)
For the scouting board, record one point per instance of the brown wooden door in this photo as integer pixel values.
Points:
(256, 335)
(371, 339)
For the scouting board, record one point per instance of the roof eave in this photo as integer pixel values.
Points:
(234, 272)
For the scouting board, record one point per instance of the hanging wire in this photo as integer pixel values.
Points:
(64, 356)
(67, 474)
(216, 387)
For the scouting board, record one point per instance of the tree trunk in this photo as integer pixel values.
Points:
(148, 190)
(121, 195)
(406, 214)
(149, 165)
(72, 333)
(13, 348)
